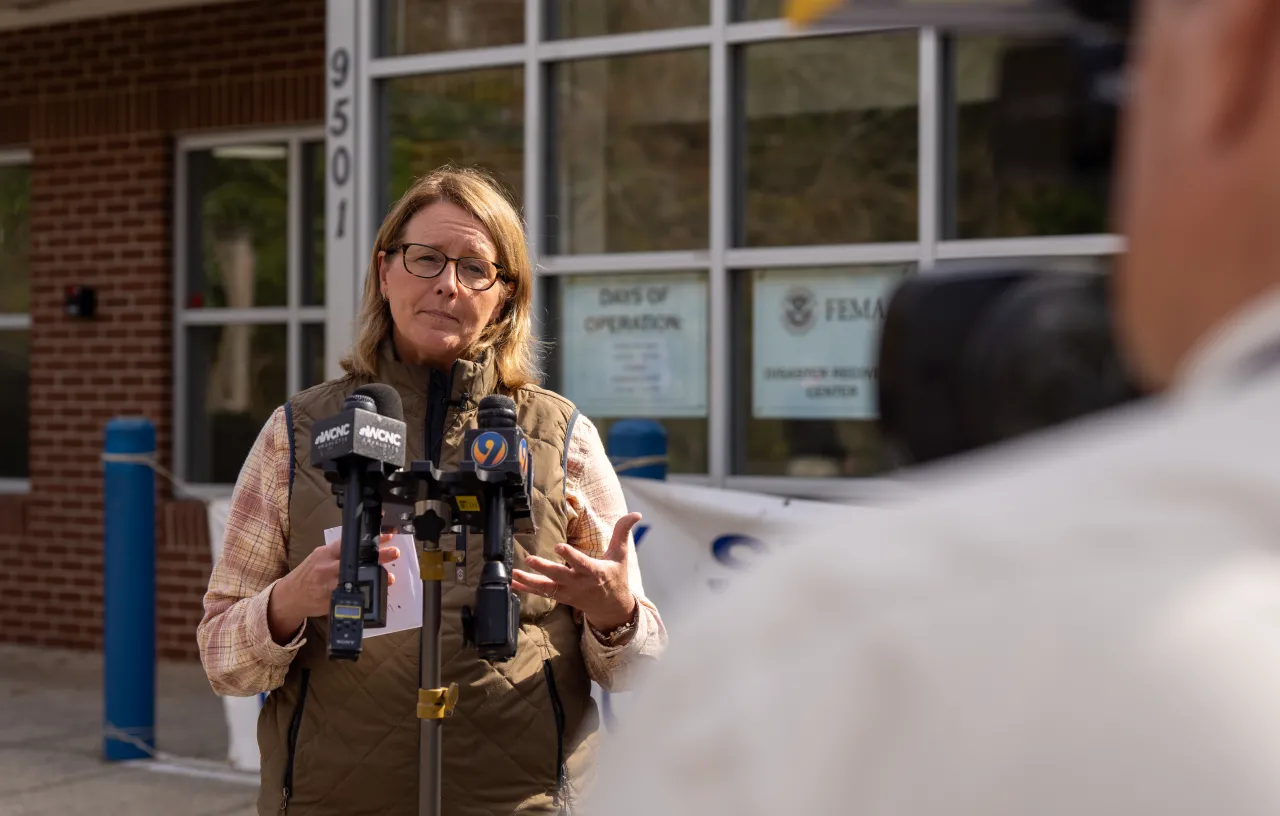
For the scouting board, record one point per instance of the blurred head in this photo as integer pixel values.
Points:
(1200, 186)
(450, 278)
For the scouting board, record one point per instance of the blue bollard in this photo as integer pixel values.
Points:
(638, 449)
(129, 591)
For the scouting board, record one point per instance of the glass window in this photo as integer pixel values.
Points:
(1027, 156)
(805, 370)
(631, 169)
(15, 372)
(595, 18)
(468, 118)
(312, 354)
(422, 26)
(15, 200)
(313, 179)
(239, 210)
(15, 300)
(757, 9)
(634, 346)
(238, 368)
(828, 144)
(236, 379)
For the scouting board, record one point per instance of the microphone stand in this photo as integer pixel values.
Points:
(434, 702)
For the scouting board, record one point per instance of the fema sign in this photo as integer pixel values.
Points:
(815, 341)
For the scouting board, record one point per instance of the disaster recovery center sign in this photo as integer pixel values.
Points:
(815, 340)
(636, 345)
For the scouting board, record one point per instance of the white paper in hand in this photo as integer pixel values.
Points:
(404, 597)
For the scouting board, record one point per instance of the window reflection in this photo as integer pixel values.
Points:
(429, 26)
(1028, 158)
(238, 376)
(465, 118)
(757, 9)
(15, 202)
(312, 354)
(313, 180)
(240, 214)
(595, 18)
(829, 140)
(631, 153)
(15, 362)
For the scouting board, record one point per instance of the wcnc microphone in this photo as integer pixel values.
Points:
(361, 450)
(358, 448)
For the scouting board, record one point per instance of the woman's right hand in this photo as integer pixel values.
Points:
(305, 591)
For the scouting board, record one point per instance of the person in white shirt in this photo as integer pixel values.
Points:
(1083, 622)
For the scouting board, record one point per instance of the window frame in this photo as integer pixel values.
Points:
(17, 321)
(724, 37)
(294, 315)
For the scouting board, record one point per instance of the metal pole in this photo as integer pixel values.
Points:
(129, 590)
(429, 742)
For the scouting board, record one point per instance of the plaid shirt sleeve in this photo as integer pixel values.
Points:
(596, 502)
(239, 655)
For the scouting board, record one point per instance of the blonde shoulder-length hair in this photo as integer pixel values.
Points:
(510, 337)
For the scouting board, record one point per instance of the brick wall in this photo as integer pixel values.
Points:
(99, 103)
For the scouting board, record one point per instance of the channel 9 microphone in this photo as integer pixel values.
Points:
(497, 466)
(358, 448)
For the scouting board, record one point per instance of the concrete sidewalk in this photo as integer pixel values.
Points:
(51, 745)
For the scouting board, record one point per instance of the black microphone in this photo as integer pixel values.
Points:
(496, 453)
(358, 448)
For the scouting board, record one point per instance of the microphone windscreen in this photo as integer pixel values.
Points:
(497, 411)
(385, 398)
(498, 401)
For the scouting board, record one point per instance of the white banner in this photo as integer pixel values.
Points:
(692, 541)
(636, 345)
(815, 341)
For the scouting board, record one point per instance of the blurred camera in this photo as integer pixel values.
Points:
(976, 359)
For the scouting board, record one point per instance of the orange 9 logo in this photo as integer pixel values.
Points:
(489, 449)
(524, 458)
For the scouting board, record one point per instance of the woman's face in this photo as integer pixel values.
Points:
(436, 319)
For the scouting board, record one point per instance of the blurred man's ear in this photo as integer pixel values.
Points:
(1241, 60)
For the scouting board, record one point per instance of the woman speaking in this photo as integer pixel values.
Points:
(445, 320)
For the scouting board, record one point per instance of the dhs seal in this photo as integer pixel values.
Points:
(799, 310)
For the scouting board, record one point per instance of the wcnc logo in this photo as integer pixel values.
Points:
(489, 449)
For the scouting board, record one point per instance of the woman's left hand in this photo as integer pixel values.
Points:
(599, 587)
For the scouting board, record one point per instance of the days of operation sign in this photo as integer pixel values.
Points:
(815, 342)
(636, 345)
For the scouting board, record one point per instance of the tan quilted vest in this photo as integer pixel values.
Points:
(342, 738)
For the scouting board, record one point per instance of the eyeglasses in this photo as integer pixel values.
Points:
(424, 261)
